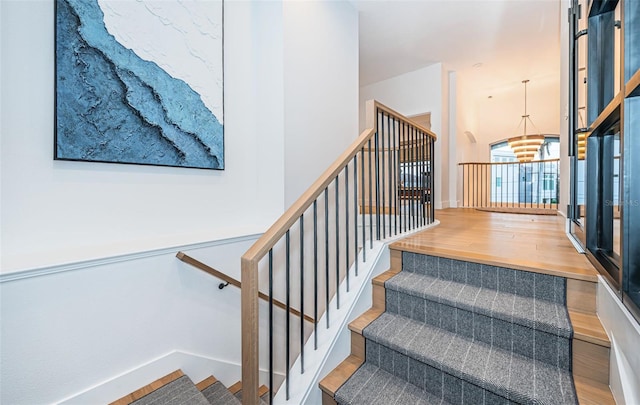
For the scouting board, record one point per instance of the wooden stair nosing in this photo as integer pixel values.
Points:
(149, 388)
(591, 392)
(587, 327)
(339, 375)
(381, 278)
(361, 322)
(235, 388)
(263, 390)
(206, 383)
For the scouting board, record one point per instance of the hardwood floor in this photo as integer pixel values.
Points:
(528, 242)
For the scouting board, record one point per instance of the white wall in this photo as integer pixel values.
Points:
(624, 333)
(57, 212)
(80, 326)
(70, 322)
(416, 93)
(320, 89)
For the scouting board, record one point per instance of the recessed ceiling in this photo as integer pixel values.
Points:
(511, 39)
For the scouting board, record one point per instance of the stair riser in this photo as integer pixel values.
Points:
(452, 389)
(591, 361)
(523, 340)
(523, 283)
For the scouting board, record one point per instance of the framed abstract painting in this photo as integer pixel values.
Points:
(140, 82)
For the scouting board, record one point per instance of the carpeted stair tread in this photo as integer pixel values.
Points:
(263, 401)
(524, 283)
(178, 392)
(533, 312)
(494, 369)
(371, 385)
(217, 394)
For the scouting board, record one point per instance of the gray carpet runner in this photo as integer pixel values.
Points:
(181, 391)
(218, 394)
(264, 400)
(465, 333)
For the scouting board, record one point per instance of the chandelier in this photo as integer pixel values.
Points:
(525, 147)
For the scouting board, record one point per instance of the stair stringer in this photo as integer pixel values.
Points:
(334, 344)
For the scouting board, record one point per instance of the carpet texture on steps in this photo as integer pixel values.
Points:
(217, 394)
(473, 334)
(263, 399)
(181, 391)
(375, 386)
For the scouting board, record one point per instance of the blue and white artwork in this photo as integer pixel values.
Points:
(140, 81)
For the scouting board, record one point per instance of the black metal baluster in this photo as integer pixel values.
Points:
(423, 187)
(355, 210)
(337, 243)
(418, 157)
(395, 180)
(315, 274)
(302, 293)
(326, 251)
(288, 308)
(411, 177)
(389, 173)
(414, 160)
(362, 209)
(346, 220)
(270, 324)
(369, 207)
(406, 189)
(432, 169)
(377, 166)
(423, 177)
(382, 176)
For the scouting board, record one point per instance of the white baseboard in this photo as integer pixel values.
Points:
(196, 366)
(624, 332)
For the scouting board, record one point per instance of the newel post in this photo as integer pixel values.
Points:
(250, 333)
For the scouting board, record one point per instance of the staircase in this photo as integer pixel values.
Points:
(450, 331)
(178, 389)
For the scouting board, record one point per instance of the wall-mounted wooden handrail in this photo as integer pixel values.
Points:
(218, 274)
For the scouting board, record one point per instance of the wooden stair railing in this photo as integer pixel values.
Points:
(363, 181)
(232, 281)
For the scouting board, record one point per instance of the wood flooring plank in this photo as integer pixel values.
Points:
(535, 243)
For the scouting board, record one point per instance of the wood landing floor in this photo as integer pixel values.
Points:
(527, 242)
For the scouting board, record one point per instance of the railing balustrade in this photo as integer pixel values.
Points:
(381, 186)
(511, 185)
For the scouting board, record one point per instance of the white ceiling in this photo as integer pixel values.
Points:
(512, 39)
